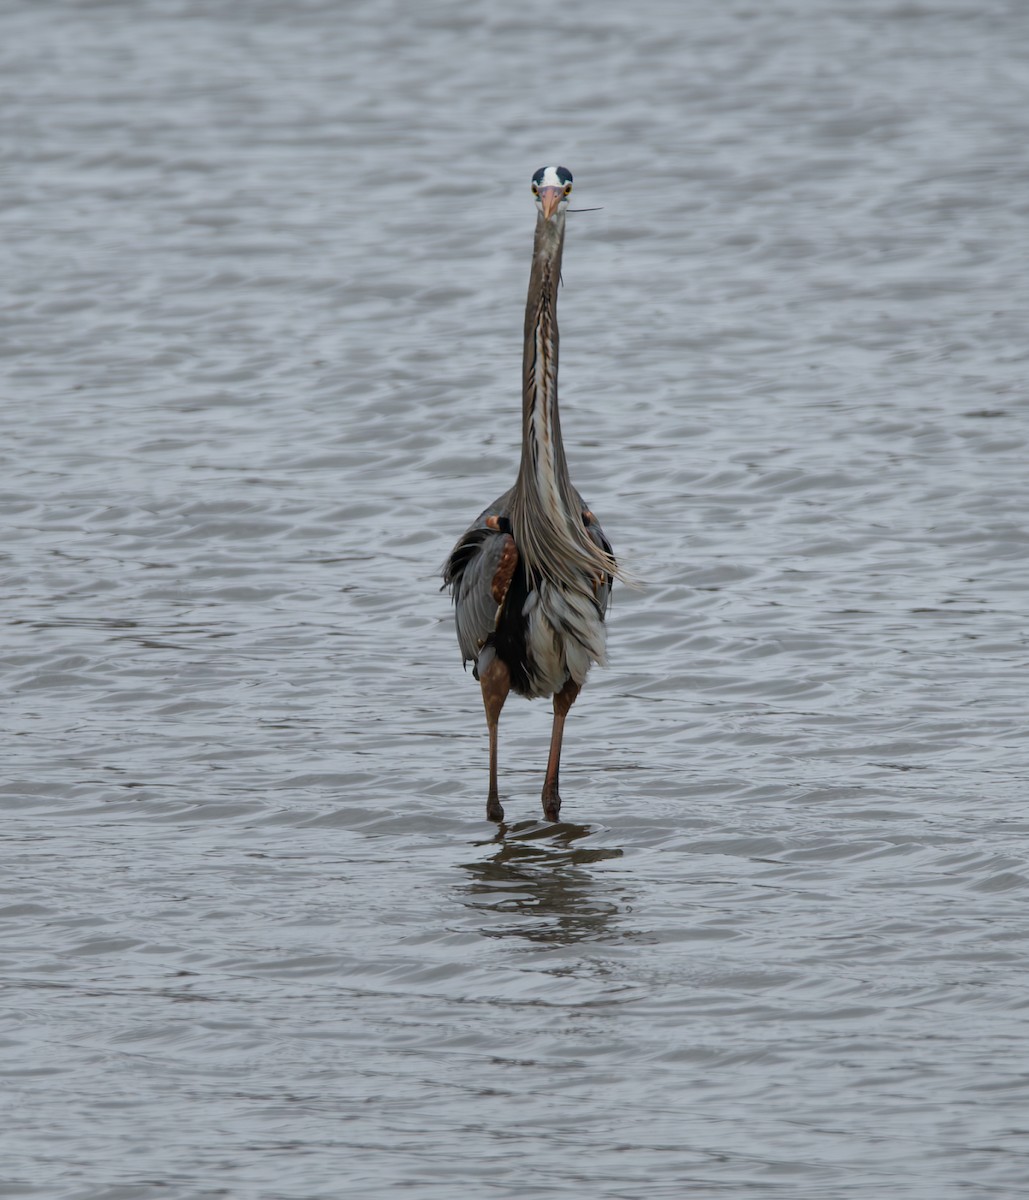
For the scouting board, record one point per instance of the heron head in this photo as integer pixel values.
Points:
(552, 186)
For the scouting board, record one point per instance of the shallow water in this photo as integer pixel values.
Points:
(264, 267)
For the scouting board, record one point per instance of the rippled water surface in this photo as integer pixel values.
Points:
(263, 269)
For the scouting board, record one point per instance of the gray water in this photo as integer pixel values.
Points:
(263, 271)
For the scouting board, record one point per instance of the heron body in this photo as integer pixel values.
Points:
(532, 576)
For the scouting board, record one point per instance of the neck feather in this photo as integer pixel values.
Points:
(546, 510)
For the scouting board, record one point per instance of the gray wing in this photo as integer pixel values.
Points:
(599, 539)
(469, 572)
(473, 566)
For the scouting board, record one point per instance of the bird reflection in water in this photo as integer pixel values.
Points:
(540, 878)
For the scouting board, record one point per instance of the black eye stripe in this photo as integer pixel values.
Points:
(563, 174)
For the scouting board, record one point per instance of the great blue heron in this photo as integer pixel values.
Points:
(532, 576)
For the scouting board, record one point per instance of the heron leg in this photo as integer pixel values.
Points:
(563, 701)
(495, 682)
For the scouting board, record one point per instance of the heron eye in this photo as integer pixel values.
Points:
(568, 189)
(535, 190)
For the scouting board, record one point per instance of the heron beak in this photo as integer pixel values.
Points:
(550, 197)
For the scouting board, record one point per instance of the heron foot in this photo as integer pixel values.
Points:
(551, 804)
(494, 809)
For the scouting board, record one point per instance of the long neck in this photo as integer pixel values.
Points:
(545, 512)
(544, 469)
